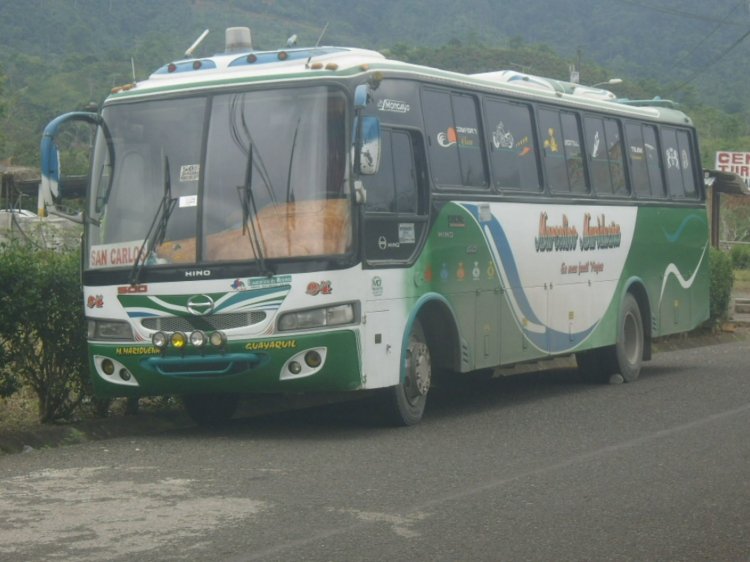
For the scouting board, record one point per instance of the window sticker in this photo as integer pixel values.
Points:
(406, 233)
(673, 160)
(502, 138)
(190, 172)
(188, 201)
(550, 142)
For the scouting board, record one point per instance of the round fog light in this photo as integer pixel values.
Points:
(179, 340)
(108, 367)
(198, 338)
(295, 368)
(217, 339)
(160, 340)
(124, 374)
(313, 359)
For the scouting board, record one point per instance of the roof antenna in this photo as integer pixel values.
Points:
(321, 34)
(197, 42)
(132, 67)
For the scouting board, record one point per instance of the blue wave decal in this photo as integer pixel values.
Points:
(672, 238)
(548, 340)
(279, 292)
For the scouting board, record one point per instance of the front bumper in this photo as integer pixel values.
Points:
(249, 366)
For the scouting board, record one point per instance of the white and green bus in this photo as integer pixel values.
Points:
(324, 219)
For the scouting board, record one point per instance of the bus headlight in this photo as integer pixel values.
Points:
(198, 338)
(98, 329)
(318, 317)
(217, 339)
(160, 340)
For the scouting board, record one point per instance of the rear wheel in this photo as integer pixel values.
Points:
(406, 401)
(630, 336)
(210, 410)
(625, 357)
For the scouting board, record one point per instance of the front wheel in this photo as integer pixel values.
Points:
(406, 401)
(210, 410)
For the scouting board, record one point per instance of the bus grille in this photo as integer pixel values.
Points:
(214, 322)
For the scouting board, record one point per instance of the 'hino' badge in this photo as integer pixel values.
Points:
(200, 305)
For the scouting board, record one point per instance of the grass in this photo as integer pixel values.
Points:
(19, 410)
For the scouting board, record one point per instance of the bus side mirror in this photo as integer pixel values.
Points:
(361, 96)
(369, 154)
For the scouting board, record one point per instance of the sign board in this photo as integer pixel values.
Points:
(734, 162)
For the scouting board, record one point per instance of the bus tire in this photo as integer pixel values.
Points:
(630, 344)
(406, 401)
(210, 410)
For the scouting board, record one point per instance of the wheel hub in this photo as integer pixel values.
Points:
(418, 369)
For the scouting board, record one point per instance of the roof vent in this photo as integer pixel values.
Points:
(237, 40)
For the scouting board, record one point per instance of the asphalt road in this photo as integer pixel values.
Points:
(539, 467)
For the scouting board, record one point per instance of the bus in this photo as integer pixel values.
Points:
(323, 220)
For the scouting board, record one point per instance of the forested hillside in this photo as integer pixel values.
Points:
(59, 55)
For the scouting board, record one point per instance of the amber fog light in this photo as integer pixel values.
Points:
(179, 340)
(313, 359)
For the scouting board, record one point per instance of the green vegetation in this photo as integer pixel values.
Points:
(740, 256)
(42, 335)
(722, 278)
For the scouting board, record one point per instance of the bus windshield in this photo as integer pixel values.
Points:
(255, 175)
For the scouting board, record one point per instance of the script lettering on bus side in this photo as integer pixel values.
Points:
(596, 234)
(558, 238)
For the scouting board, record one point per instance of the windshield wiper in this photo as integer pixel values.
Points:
(247, 201)
(158, 229)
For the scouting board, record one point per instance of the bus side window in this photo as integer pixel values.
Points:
(637, 158)
(678, 163)
(561, 146)
(604, 146)
(653, 161)
(510, 137)
(454, 141)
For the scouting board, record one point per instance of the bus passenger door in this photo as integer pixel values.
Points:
(396, 208)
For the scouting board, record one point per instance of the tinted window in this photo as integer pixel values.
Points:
(510, 138)
(643, 155)
(468, 141)
(394, 187)
(653, 161)
(605, 155)
(637, 158)
(615, 156)
(678, 163)
(454, 141)
(561, 147)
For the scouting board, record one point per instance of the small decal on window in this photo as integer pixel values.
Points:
(189, 201)
(190, 172)
(406, 233)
